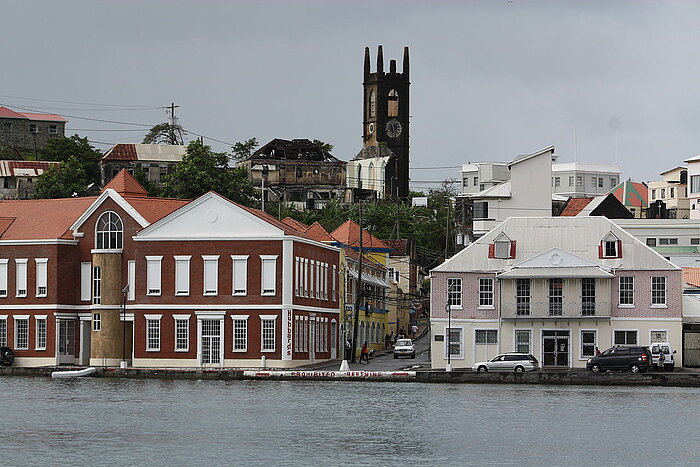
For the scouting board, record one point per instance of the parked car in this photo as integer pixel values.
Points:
(511, 361)
(404, 347)
(669, 352)
(635, 359)
(7, 357)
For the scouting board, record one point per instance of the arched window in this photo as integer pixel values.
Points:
(371, 181)
(372, 104)
(109, 232)
(359, 176)
(393, 103)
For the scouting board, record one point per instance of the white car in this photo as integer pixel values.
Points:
(404, 347)
(512, 361)
(669, 361)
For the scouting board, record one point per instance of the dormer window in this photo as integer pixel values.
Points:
(502, 247)
(610, 247)
(109, 232)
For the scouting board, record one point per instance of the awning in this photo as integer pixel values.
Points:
(369, 279)
(545, 273)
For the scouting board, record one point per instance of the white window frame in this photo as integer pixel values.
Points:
(296, 276)
(181, 319)
(447, 333)
(103, 238)
(211, 266)
(335, 275)
(235, 280)
(131, 272)
(235, 320)
(17, 319)
(149, 320)
(153, 275)
(306, 278)
(492, 305)
(652, 331)
(263, 319)
(41, 276)
(695, 183)
(3, 330)
(85, 281)
(40, 341)
(665, 296)
(3, 277)
(96, 285)
(581, 356)
(454, 295)
(97, 322)
(20, 277)
(182, 275)
(619, 293)
(487, 331)
(515, 339)
(267, 260)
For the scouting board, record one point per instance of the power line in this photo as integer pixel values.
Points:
(99, 129)
(79, 103)
(84, 118)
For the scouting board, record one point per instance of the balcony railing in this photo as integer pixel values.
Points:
(564, 309)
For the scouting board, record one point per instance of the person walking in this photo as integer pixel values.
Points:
(364, 353)
(597, 351)
(387, 341)
(414, 330)
(662, 359)
(392, 339)
(348, 349)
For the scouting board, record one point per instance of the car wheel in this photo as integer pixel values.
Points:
(519, 369)
(413, 355)
(595, 368)
(634, 368)
(482, 369)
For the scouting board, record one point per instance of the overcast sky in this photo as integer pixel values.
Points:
(489, 79)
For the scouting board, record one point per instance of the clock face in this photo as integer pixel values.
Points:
(370, 128)
(393, 129)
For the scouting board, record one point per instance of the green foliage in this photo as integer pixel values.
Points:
(323, 145)
(164, 133)
(243, 150)
(80, 167)
(203, 170)
(7, 154)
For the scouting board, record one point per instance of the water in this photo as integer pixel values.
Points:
(96, 421)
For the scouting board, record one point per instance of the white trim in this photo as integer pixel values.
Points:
(177, 318)
(235, 318)
(20, 316)
(464, 320)
(667, 331)
(131, 279)
(103, 251)
(272, 318)
(45, 278)
(153, 260)
(580, 343)
(117, 198)
(181, 316)
(18, 262)
(160, 333)
(209, 259)
(153, 316)
(85, 281)
(446, 343)
(178, 260)
(49, 241)
(264, 258)
(644, 319)
(210, 314)
(36, 331)
(235, 258)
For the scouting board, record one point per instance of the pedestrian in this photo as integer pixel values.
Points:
(387, 341)
(364, 354)
(597, 351)
(392, 339)
(348, 349)
(662, 359)
(414, 330)
(402, 333)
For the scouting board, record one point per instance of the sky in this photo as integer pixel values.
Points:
(602, 81)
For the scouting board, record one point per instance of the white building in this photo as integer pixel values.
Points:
(579, 180)
(481, 176)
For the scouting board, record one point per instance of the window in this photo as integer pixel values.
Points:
(658, 291)
(153, 333)
(153, 274)
(454, 293)
(268, 333)
(610, 247)
(372, 104)
(41, 276)
(96, 322)
(651, 242)
(557, 181)
(3, 277)
(33, 128)
(269, 274)
(588, 340)
(594, 181)
(240, 333)
(393, 104)
(486, 336)
(7, 126)
(522, 297)
(579, 180)
(668, 241)
(653, 194)
(21, 277)
(625, 337)
(182, 333)
(658, 336)
(453, 342)
(53, 129)
(613, 182)
(335, 274)
(3, 331)
(522, 341)
(240, 275)
(626, 290)
(85, 281)
(556, 296)
(297, 277)
(673, 192)
(40, 332)
(502, 247)
(485, 292)
(600, 182)
(21, 332)
(481, 210)
(663, 193)
(476, 181)
(131, 278)
(588, 296)
(695, 183)
(182, 275)
(109, 233)
(211, 275)
(693, 241)
(571, 180)
(96, 285)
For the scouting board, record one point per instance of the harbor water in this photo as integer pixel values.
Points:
(102, 421)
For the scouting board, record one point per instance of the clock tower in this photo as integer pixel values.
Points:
(385, 121)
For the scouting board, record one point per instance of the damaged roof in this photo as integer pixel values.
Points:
(296, 149)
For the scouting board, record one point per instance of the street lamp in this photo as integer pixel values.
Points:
(448, 334)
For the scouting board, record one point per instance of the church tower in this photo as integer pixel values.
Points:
(386, 119)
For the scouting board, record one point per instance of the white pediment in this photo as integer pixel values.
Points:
(209, 217)
(556, 258)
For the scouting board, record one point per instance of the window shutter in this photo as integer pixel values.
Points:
(492, 250)
(240, 275)
(3, 278)
(153, 272)
(619, 248)
(21, 277)
(182, 276)
(268, 276)
(211, 279)
(41, 275)
(600, 250)
(85, 281)
(512, 248)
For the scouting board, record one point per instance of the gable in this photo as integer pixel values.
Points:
(556, 258)
(209, 217)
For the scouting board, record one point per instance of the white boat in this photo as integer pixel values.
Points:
(73, 373)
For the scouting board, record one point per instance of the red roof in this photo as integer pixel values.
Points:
(121, 152)
(126, 185)
(7, 113)
(349, 234)
(154, 209)
(691, 276)
(318, 233)
(42, 218)
(575, 206)
(295, 224)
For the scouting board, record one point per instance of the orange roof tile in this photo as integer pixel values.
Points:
(574, 206)
(153, 209)
(295, 224)
(349, 234)
(318, 233)
(691, 276)
(126, 185)
(42, 218)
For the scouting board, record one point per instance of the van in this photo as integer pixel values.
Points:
(669, 360)
(635, 359)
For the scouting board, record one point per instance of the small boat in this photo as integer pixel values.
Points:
(73, 373)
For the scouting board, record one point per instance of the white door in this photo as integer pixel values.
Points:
(65, 341)
(334, 340)
(210, 342)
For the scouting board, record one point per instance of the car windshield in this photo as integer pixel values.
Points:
(403, 342)
(608, 352)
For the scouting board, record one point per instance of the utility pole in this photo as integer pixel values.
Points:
(173, 125)
(358, 292)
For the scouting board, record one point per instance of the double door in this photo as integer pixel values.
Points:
(65, 341)
(555, 349)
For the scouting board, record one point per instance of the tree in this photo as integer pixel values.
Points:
(7, 153)
(164, 133)
(80, 167)
(322, 145)
(203, 170)
(243, 150)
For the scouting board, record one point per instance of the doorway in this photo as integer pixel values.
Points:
(85, 331)
(334, 339)
(555, 349)
(210, 343)
(65, 341)
(312, 337)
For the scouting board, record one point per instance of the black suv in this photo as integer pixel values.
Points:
(635, 359)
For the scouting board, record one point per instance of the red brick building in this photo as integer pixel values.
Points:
(162, 283)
